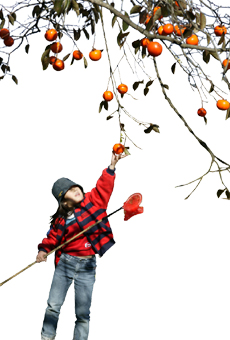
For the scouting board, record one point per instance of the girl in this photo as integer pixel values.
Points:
(76, 260)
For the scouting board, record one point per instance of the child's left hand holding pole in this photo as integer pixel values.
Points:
(115, 159)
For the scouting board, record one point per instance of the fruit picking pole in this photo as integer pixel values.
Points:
(30, 265)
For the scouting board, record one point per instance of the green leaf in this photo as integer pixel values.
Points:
(2, 24)
(85, 62)
(76, 34)
(76, 7)
(125, 26)
(146, 90)
(114, 20)
(45, 62)
(135, 9)
(45, 54)
(173, 68)
(66, 5)
(15, 80)
(27, 48)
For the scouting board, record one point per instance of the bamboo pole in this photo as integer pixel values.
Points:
(30, 265)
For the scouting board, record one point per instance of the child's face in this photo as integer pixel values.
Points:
(74, 195)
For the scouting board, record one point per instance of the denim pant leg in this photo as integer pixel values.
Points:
(62, 280)
(83, 285)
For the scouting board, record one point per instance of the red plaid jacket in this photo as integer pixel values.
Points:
(93, 208)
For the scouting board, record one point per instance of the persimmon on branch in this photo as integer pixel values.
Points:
(187, 29)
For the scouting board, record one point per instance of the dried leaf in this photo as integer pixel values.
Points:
(114, 20)
(152, 127)
(85, 62)
(136, 84)
(58, 6)
(66, 57)
(166, 86)
(206, 56)
(142, 17)
(221, 39)
(101, 105)
(106, 105)
(92, 27)
(76, 34)
(146, 90)
(205, 120)
(109, 117)
(1, 15)
(227, 194)
(11, 19)
(173, 68)
(126, 151)
(211, 88)
(228, 114)
(27, 48)
(191, 15)
(86, 33)
(135, 9)
(36, 11)
(202, 21)
(1, 60)
(208, 39)
(220, 192)
(215, 55)
(143, 53)
(165, 11)
(149, 83)
(187, 33)
(76, 7)
(15, 80)
(136, 43)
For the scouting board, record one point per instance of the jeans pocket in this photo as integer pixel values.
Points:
(91, 263)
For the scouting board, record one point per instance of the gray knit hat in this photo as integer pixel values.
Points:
(61, 186)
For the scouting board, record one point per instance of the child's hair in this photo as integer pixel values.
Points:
(64, 210)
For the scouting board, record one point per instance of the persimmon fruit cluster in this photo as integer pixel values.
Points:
(5, 35)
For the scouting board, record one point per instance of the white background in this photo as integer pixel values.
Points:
(167, 277)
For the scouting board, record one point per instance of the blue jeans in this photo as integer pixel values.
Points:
(82, 271)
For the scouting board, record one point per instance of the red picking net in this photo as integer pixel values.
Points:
(132, 206)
